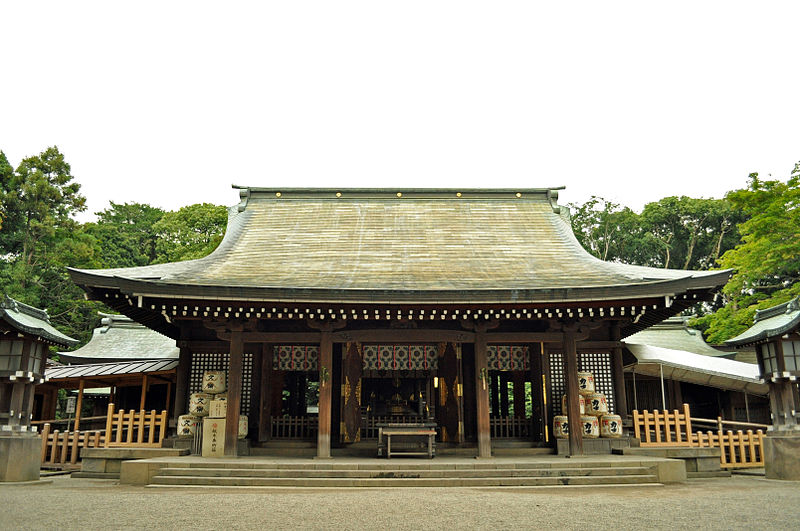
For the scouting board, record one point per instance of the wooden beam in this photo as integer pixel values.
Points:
(525, 337)
(325, 395)
(410, 335)
(620, 398)
(211, 347)
(78, 407)
(282, 338)
(234, 394)
(573, 406)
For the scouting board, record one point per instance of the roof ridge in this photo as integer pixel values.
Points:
(786, 307)
(17, 306)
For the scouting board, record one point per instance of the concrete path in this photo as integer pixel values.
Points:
(740, 502)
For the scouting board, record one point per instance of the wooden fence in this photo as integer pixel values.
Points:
(288, 427)
(510, 427)
(60, 448)
(135, 429)
(662, 429)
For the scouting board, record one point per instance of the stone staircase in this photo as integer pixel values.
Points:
(399, 474)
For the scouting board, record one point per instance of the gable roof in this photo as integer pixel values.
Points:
(674, 334)
(32, 321)
(400, 246)
(772, 322)
(119, 338)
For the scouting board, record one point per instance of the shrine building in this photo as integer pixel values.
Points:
(337, 309)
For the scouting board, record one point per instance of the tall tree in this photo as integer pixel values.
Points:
(125, 234)
(190, 232)
(767, 261)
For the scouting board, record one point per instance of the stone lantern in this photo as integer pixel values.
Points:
(25, 338)
(776, 335)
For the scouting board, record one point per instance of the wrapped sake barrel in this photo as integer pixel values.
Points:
(610, 426)
(242, 426)
(585, 383)
(560, 427)
(596, 404)
(187, 425)
(199, 403)
(214, 382)
(590, 427)
(581, 404)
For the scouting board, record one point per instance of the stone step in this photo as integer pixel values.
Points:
(400, 465)
(402, 482)
(244, 488)
(387, 473)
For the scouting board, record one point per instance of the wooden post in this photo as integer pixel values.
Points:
(180, 405)
(254, 417)
(570, 354)
(519, 394)
(325, 385)
(267, 382)
(234, 393)
(144, 392)
(482, 394)
(78, 406)
(620, 398)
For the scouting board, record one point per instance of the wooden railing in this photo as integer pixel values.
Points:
(663, 428)
(135, 429)
(369, 423)
(510, 427)
(737, 449)
(674, 429)
(287, 427)
(60, 448)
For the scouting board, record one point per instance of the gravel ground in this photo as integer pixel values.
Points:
(726, 503)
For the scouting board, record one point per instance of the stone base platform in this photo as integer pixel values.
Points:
(596, 446)
(782, 455)
(699, 462)
(106, 463)
(20, 456)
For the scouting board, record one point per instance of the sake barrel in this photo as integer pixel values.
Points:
(199, 403)
(243, 426)
(560, 427)
(214, 382)
(590, 427)
(585, 383)
(611, 426)
(596, 404)
(187, 425)
(581, 405)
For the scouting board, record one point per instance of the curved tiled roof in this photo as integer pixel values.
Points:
(772, 322)
(400, 246)
(119, 338)
(32, 321)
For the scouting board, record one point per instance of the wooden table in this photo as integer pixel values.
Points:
(421, 434)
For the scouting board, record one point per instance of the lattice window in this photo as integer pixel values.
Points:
(295, 357)
(400, 357)
(557, 384)
(219, 362)
(598, 363)
(508, 357)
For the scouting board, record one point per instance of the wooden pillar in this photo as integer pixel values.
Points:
(254, 418)
(538, 370)
(620, 398)
(79, 406)
(234, 394)
(143, 396)
(503, 377)
(494, 395)
(325, 385)
(266, 399)
(180, 405)
(570, 354)
(482, 392)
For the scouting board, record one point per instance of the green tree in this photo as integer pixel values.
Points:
(767, 261)
(125, 234)
(190, 232)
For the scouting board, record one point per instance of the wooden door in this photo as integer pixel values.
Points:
(352, 367)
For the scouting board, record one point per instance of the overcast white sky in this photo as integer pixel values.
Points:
(169, 103)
